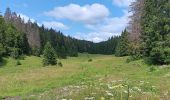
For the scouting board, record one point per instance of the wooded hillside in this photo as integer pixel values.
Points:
(33, 39)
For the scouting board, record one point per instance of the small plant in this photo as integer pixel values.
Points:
(90, 60)
(60, 64)
(22, 57)
(151, 69)
(18, 62)
(14, 53)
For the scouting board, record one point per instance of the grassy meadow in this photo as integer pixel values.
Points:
(106, 77)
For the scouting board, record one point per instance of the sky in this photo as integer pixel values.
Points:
(92, 20)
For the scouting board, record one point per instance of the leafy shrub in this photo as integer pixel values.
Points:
(60, 64)
(159, 55)
(151, 69)
(90, 60)
(36, 51)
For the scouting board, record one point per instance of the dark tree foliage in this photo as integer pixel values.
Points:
(122, 48)
(30, 29)
(12, 42)
(2, 37)
(49, 55)
(156, 31)
(151, 21)
(1, 51)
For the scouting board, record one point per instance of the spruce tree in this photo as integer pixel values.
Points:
(49, 55)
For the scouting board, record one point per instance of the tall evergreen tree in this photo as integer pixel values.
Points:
(49, 55)
(156, 31)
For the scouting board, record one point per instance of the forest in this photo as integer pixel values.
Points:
(30, 39)
(144, 42)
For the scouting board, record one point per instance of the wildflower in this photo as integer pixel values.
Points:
(138, 89)
(102, 98)
(125, 91)
(118, 86)
(89, 98)
(109, 94)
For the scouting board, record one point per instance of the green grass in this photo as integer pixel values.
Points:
(106, 77)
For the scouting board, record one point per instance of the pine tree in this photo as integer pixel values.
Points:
(49, 55)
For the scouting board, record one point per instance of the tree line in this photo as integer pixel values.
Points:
(18, 37)
(148, 32)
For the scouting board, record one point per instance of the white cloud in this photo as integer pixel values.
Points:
(94, 36)
(26, 18)
(122, 3)
(110, 27)
(55, 25)
(88, 14)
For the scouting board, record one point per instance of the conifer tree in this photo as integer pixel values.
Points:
(156, 31)
(49, 55)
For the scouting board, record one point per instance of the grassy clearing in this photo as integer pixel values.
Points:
(105, 77)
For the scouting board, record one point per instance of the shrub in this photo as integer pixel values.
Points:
(151, 69)
(2, 50)
(60, 64)
(36, 51)
(14, 53)
(90, 60)
(18, 62)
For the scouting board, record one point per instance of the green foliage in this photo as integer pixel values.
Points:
(18, 63)
(2, 51)
(62, 52)
(135, 52)
(36, 51)
(123, 45)
(156, 29)
(49, 55)
(152, 68)
(60, 64)
(90, 60)
(14, 53)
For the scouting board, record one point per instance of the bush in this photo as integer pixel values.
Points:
(36, 51)
(14, 53)
(22, 57)
(151, 69)
(2, 51)
(18, 62)
(90, 60)
(60, 64)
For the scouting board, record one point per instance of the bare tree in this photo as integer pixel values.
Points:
(134, 27)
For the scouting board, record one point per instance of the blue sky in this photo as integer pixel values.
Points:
(93, 20)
